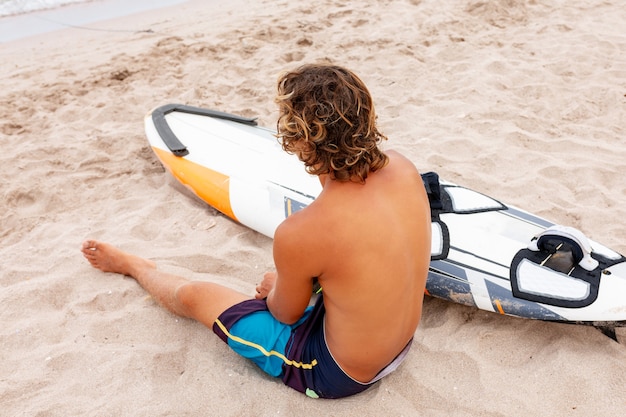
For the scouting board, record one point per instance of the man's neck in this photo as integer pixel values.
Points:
(323, 178)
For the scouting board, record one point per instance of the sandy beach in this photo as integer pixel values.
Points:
(523, 100)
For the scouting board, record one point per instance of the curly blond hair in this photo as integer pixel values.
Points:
(327, 118)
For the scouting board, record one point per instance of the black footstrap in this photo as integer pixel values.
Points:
(169, 138)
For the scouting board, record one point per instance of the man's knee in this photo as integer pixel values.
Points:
(189, 298)
(205, 301)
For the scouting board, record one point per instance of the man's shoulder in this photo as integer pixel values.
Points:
(299, 240)
(296, 224)
(308, 227)
(399, 160)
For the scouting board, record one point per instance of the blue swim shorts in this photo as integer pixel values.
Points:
(296, 353)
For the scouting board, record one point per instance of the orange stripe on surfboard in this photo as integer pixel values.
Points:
(211, 186)
(499, 306)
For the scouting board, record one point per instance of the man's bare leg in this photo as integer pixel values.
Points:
(203, 301)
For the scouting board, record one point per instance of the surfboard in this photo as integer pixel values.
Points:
(485, 253)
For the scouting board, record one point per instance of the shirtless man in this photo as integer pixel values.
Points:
(366, 239)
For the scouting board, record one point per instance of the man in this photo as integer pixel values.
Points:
(365, 239)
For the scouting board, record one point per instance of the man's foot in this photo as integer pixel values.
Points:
(108, 258)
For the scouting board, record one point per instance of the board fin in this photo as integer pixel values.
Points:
(608, 331)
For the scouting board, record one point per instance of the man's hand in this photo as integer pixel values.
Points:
(264, 288)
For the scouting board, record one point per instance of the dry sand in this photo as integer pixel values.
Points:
(523, 100)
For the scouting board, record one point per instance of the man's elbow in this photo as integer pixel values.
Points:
(288, 319)
(280, 313)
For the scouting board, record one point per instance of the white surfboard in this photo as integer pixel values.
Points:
(485, 253)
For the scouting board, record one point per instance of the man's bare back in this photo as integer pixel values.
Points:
(366, 239)
(369, 246)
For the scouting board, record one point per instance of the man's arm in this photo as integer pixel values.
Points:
(295, 270)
